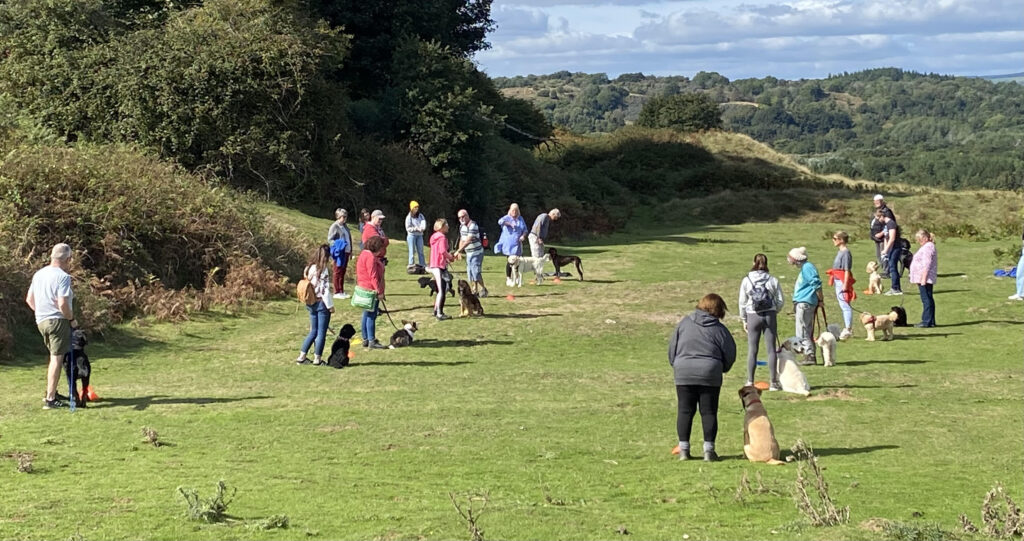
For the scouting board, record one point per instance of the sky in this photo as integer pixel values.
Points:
(788, 39)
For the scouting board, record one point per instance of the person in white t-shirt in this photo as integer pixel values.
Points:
(50, 297)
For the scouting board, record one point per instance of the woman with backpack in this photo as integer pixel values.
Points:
(318, 272)
(760, 302)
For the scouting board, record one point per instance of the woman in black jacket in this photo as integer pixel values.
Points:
(700, 351)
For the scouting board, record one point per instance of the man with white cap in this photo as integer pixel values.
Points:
(877, 234)
(806, 297)
(373, 228)
(50, 298)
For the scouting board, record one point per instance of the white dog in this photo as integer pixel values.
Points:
(827, 342)
(525, 264)
(516, 279)
(790, 376)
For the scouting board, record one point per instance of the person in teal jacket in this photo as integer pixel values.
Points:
(806, 296)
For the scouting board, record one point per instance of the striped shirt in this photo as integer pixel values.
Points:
(471, 231)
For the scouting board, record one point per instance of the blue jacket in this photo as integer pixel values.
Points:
(807, 284)
(338, 252)
(511, 230)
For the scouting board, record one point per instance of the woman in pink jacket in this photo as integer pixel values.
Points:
(439, 259)
(923, 270)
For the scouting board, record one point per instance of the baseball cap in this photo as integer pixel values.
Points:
(377, 213)
(878, 197)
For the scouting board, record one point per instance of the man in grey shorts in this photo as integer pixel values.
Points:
(539, 231)
(50, 298)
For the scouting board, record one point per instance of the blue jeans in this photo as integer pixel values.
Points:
(927, 305)
(1020, 276)
(844, 306)
(319, 320)
(369, 330)
(894, 275)
(475, 265)
(415, 243)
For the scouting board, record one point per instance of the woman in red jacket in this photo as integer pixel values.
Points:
(370, 275)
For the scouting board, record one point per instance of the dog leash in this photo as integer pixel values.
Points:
(387, 313)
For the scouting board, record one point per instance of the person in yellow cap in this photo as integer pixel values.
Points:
(415, 225)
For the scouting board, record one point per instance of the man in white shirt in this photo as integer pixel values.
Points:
(50, 297)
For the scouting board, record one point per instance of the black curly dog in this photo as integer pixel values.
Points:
(339, 350)
(428, 281)
(83, 368)
(564, 261)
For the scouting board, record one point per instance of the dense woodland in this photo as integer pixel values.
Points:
(880, 124)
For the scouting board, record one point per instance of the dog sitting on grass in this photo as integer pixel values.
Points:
(883, 323)
(791, 377)
(874, 279)
(468, 301)
(342, 344)
(759, 443)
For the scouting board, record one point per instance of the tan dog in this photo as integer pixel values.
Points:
(878, 323)
(469, 303)
(874, 279)
(759, 443)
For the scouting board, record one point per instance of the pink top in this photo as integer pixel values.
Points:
(925, 266)
(439, 256)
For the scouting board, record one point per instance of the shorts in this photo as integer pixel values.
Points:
(56, 335)
(474, 266)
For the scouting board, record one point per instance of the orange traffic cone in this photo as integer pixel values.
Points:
(557, 280)
(675, 450)
(91, 394)
(510, 297)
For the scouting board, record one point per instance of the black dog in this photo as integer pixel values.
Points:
(83, 368)
(428, 281)
(340, 347)
(564, 261)
(901, 316)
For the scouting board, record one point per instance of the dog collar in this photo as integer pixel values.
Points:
(756, 400)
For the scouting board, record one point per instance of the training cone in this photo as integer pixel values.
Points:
(675, 450)
(351, 354)
(763, 385)
(557, 280)
(356, 341)
(90, 393)
(510, 297)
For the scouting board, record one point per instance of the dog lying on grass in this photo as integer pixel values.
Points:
(883, 323)
(468, 301)
(428, 281)
(790, 376)
(759, 443)
(403, 337)
(560, 261)
(874, 279)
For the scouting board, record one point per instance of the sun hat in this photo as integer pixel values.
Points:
(377, 213)
(798, 254)
(878, 197)
(413, 204)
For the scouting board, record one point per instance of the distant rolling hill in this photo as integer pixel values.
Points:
(1011, 77)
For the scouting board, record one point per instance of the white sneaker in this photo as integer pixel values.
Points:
(845, 335)
(1015, 297)
(338, 296)
(343, 296)
(508, 282)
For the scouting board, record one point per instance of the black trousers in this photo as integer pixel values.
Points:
(690, 397)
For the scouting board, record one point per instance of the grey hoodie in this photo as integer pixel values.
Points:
(701, 350)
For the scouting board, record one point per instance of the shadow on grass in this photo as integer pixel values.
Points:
(518, 316)
(688, 240)
(422, 364)
(898, 361)
(432, 343)
(925, 336)
(495, 296)
(602, 281)
(901, 386)
(979, 322)
(942, 291)
(852, 450)
(140, 403)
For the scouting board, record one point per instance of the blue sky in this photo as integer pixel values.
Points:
(789, 39)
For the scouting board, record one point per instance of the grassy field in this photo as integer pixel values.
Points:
(558, 404)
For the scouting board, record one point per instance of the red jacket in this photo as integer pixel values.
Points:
(846, 277)
(370, 230)
(370, 272)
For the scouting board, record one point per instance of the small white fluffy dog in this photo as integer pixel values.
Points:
(525, 264)
(874, 279)
(516, 279)
(790, 376)
(827, 342)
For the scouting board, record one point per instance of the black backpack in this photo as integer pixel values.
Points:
(761, 299)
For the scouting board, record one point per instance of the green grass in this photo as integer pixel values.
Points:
(559, 404)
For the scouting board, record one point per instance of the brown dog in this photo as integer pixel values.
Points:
(879, 323)
(468, 301)
(759, 443)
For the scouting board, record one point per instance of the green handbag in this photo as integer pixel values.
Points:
(364, 298)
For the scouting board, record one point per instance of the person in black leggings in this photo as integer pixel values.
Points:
(700, 350)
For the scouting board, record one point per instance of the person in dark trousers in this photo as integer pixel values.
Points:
(891, 251)
(757, 323)
(700, 350)
(923, 272)
(876, 231)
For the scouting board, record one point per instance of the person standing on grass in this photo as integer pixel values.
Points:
(876, 230)
(318, 272)
(923, 271)
(439, 259)
(765, 287)
(374, 228)
(1019, 295)
(806, 297)
(841, 277)
(469, 243)
(50, 298)
(513, 233)
(891, 251)
(340, 240)
(415, 225)
(539, 232)
(700, 350)
(370, 276)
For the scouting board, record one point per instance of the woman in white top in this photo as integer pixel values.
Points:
(318, 272)
(760, 301)
(415, 225)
